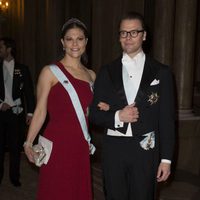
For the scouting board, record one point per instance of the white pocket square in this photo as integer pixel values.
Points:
(155, 82)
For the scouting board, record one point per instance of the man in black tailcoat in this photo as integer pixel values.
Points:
(16, 96)
(139, 124)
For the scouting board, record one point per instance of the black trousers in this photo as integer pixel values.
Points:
(129, 171)
(10, 136)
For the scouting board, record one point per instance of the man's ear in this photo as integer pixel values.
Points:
(144, 35)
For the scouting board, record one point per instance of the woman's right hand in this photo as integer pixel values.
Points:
(103, 106)
(29, 153)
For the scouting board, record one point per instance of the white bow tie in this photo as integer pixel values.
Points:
(128, 61)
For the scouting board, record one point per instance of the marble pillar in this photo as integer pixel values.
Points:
(163, 31)
(183, 61)
(197, 53)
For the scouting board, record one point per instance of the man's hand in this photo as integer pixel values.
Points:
(163, 172)
(5, 107)
(129, 114)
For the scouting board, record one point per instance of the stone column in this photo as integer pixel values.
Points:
(29, 36)
(163, 31)
(196, 98)
(16, 26)
(184, 45)
(197, 54)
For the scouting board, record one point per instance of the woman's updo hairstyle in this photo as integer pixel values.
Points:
(74, 23)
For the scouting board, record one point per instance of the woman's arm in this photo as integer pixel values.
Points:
(45, 82)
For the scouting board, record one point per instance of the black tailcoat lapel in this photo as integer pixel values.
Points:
(2, 92)
(116, 78)
(16, 80)
(149, 74)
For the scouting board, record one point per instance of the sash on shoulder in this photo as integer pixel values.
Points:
(76, 103)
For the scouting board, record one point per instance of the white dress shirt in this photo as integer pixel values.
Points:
(132, 69)
(8, 70)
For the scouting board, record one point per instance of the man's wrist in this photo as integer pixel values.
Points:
(118, 123)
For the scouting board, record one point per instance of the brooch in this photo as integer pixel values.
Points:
(153, 98)
(66, 81)
(17, 72)
(21, 86)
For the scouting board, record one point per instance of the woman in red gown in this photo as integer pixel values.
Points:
(67, 173)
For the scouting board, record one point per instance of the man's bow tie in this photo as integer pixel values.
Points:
(126, 60)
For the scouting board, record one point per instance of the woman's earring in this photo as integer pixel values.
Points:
(63, 48)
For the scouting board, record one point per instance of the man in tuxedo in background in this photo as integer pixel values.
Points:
(16, 96)
(139, 123)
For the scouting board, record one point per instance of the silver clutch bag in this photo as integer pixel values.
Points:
(42, 151)
(40, 155)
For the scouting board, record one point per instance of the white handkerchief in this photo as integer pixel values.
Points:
(155, 82)
(47, 145)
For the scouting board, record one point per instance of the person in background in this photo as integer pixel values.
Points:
(139, 122)
(16, 97)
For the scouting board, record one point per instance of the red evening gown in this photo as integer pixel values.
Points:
(67, 174)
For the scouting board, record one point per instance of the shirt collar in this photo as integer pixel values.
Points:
(126, 58)
(8, 63)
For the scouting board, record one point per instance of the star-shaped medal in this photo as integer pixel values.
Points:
(18, 72)
(153, 98)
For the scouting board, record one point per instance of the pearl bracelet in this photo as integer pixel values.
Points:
(27, 144)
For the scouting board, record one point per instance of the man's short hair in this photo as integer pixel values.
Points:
(134, 15)
(9, 43)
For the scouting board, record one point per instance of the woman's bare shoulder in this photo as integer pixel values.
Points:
(92, 74)
(47, 75)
